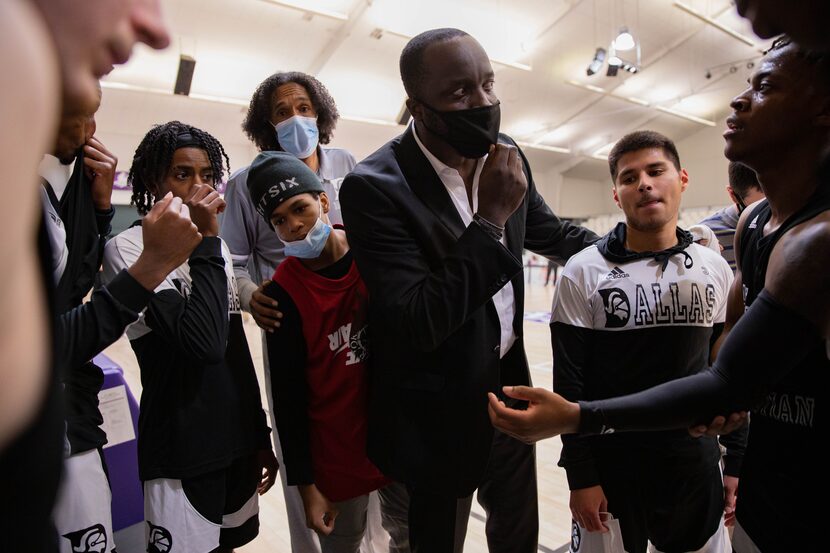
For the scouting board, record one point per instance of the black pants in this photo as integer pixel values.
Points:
(674, 504)
(438, 523)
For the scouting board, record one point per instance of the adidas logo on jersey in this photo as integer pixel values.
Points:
(616, 273)
(754, 223)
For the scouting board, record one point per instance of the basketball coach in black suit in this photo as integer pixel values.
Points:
(437, 220)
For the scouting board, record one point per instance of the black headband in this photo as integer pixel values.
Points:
(186, 140)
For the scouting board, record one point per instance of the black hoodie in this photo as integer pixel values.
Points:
(625, 321)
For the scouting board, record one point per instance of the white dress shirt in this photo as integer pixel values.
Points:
(505, 298)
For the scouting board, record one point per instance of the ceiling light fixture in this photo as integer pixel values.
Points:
(597, 62)
(616, 62)
(184, 76)
(624, 41)
(631, 68)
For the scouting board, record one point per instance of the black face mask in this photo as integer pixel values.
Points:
(470, 131)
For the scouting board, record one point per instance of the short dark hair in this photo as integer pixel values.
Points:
(641, 140)
(818, 58)
(742, 179)
(412, 57)
(155, 153)
(257, 124)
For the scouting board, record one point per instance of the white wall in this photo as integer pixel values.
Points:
(583, 197)
(549, 186)
(125, 116)
(701, 154)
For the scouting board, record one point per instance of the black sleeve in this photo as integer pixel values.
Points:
(289, 388)
(735, 443)
(103, 219)
(198, 324)
(570, 345)
(768, 341)
(88, 329)
(717, 330)
(547, 234)
(429, 300)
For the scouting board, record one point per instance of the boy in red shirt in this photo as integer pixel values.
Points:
(318, 356)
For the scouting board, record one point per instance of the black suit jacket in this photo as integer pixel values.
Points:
(433, 327)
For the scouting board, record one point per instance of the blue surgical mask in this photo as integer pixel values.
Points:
(312, 245)
(298, 135)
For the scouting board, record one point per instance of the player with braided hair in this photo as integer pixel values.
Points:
(204, 448)
(153, 156)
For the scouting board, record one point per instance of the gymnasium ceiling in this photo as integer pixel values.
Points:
(689, 69)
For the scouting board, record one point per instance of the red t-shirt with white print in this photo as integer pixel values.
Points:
(334, 315)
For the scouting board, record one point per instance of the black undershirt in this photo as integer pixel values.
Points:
(200, 408)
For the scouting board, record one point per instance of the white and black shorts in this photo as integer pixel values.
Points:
(82, 511)
(200, 514)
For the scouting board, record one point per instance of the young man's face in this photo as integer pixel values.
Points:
(91, 36)
(780, 110)
(289, 100)
(294, 217)
(189, 167)
(648, 189)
